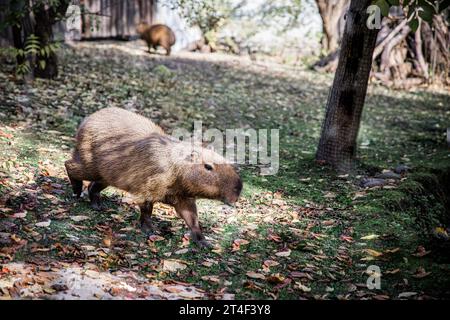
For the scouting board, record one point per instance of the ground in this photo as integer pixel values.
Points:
(305, 233)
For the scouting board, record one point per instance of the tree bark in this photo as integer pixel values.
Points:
(45, 18)
(43, 30)
(18, 42)
(331, 12)
(337, 145)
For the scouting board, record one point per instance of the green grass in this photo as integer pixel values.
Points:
(318, 219)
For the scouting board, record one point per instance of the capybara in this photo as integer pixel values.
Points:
(119, 148)
(156, 35)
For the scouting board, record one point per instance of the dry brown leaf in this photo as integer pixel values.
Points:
(373, 253)
(285, 253)
(255, 275)
(173, 265)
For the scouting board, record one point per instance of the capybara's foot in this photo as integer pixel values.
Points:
(97, 205)
(147, 228)
(77, 188)
(94, 194)
(203, 244)
(199, 240)
(75, 173)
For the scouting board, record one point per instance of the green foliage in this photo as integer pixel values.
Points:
(33, 50)
(289, 10)
(416, 10)
(16, 10)
(384, 7)
(208, 15)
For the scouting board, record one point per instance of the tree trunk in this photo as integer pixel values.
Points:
(18, 42)
(340, 128)
(331, 12)
(43, 29)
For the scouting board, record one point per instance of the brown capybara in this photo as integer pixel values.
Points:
(119, 148)
(156, 35)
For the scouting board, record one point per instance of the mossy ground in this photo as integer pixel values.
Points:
(306, 209)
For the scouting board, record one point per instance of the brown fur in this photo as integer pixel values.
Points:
(156, 35)
(119, 148)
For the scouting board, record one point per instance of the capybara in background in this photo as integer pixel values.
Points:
(119, 148)
(156, 35)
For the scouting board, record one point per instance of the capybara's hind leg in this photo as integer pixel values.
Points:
(145, 219)
(75, 172)
(94, 189)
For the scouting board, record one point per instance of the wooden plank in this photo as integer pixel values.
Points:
(117, 19)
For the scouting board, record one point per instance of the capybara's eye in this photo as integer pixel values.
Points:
(208, 167)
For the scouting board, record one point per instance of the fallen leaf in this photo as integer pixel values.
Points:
(43, 223)
(346, 238)
(302, 287)
(6, 135)
(285, 253)
(274, 237)
(297, 274)
(373, 253)
(420, 252)
(392, 250)
(155, 237)
(49, 290)
(107, 241)
(329, 222)
(271, 263)
(392, 271)
(275, 279)
(369, 258)
(117, 218)
(182, 251)
(407, 294)
(15, 238)
(173, 265)
(172, 289)
(88, 248)
(79, 218)
(381, 297)
(255, 275)
(236, 246)
(421, 273)
(370, 237)
(213, 279)
(20, 214)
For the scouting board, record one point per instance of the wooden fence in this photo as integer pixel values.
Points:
(102, 19)
(115, 18)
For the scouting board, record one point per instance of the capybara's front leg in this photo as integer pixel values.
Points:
(75, 172)
(94, 189)
(187, 210)
(146, 214)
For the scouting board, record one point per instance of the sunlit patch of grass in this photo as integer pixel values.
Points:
(317, 216)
